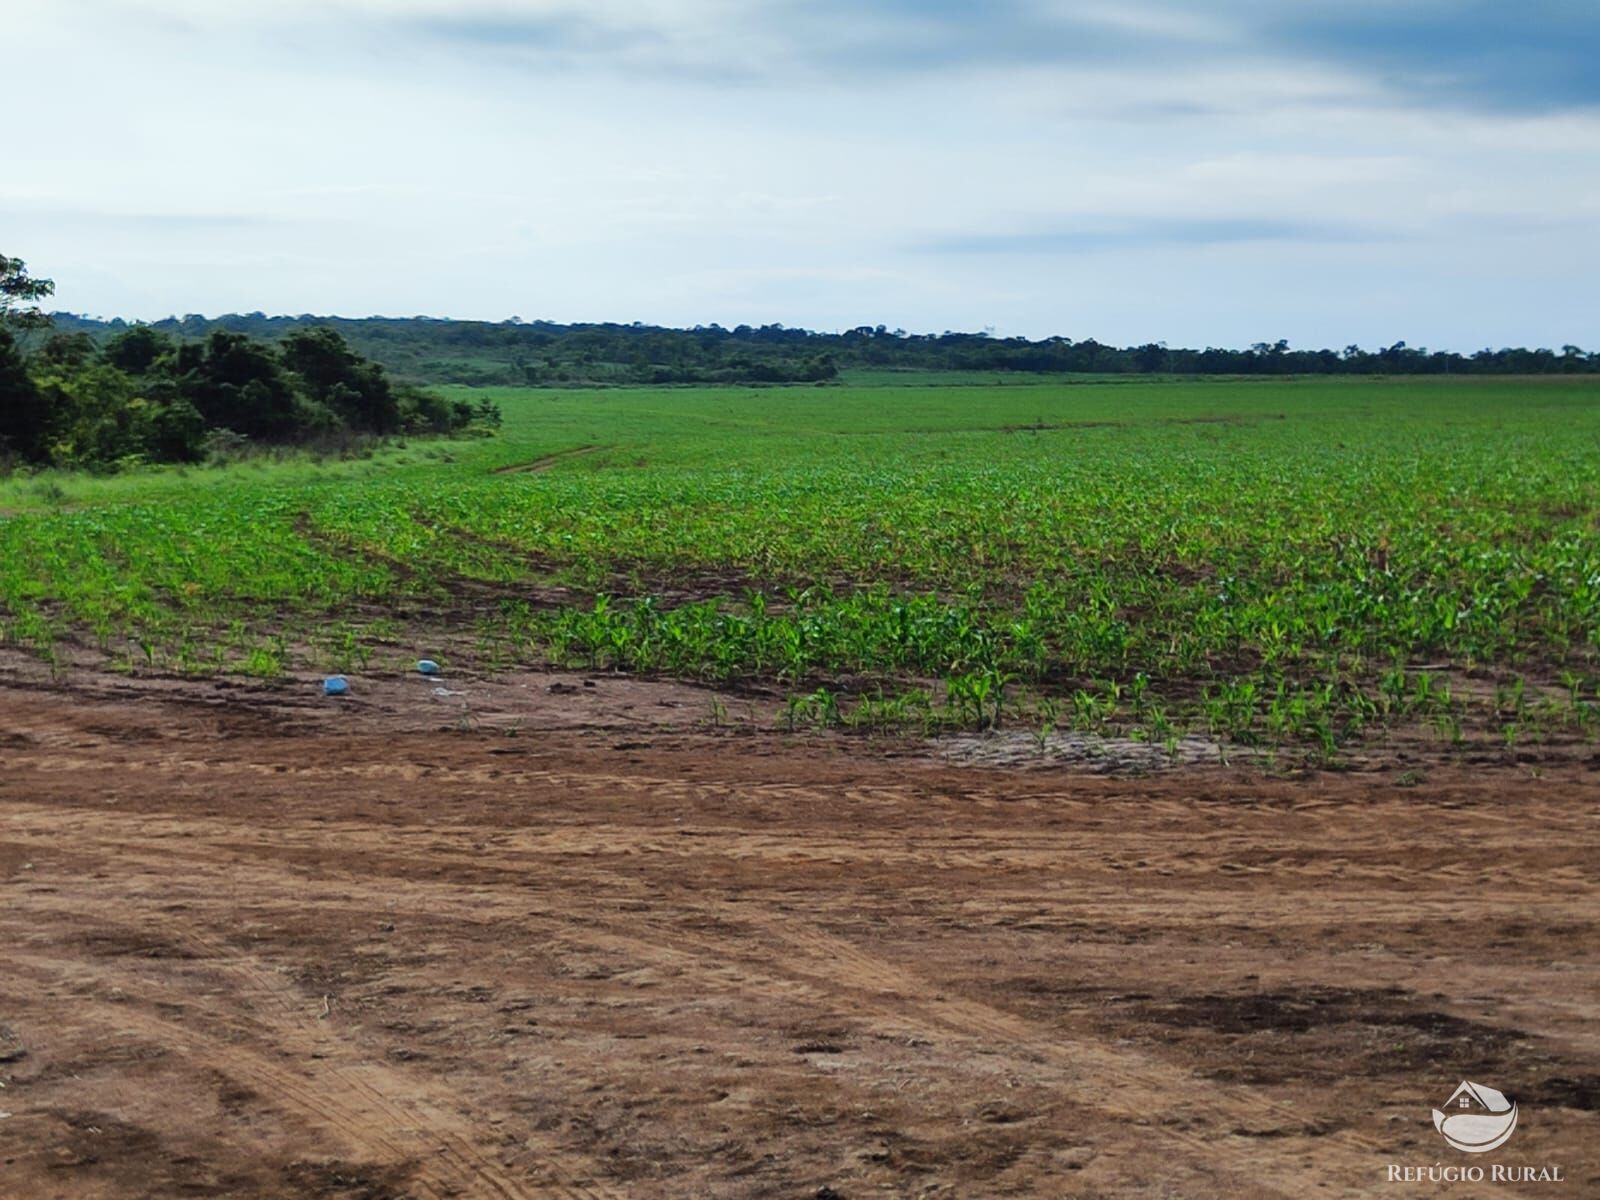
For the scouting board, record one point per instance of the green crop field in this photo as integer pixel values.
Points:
(1273, 562)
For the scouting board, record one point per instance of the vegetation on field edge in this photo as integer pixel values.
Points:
(143, 396)
(548, 354)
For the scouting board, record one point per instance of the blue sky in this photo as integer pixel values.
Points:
(1327, 171)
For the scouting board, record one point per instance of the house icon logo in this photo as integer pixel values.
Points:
(1476, 1118)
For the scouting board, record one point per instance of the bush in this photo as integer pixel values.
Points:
(148, 398)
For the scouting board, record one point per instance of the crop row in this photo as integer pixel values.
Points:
(1260, 578)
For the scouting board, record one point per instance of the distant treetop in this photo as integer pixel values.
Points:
(20, 294)
(521, 352)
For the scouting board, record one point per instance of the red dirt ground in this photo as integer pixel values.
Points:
(254, 948)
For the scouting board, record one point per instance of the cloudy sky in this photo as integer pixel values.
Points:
(1328, 171)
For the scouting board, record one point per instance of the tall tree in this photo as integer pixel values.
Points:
(241, 385)
(24, 412)
(137, 350)
(20, 294)
(355, 389)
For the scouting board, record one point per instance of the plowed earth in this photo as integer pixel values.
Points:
(255, 948)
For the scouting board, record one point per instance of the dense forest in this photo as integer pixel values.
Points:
(431, 350)
(138, 394)
(82, 392)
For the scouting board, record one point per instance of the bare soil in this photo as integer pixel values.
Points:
(552, 936)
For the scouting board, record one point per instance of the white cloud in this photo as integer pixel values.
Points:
(685, 162)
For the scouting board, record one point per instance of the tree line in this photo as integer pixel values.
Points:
(143, 394)
(543, 353)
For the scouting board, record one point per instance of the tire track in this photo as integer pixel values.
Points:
(1126, 1083)
(1376, 853)
(379, 1114)
(619, 923)
(539, 465)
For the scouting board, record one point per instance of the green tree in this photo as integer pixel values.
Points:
(137, 350)
(241, 385)
(343, 381)
(177, 432)
(96, 419)
(24, 411)
(67, 351)
(20, 294)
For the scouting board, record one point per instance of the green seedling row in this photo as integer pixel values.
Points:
(1282, 561)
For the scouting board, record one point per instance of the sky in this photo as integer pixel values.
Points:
(1332, 172)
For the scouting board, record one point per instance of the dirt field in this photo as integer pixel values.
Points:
(254, 947)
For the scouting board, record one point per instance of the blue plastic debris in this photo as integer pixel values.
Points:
(335, 685)
(427, 666)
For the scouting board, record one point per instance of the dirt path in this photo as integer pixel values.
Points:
(246, 956)
(548, 461)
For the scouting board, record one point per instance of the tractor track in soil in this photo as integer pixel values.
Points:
(254, 956)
